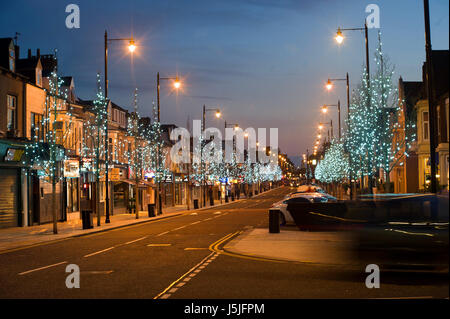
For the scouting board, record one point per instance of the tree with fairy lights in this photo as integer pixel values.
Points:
(157, 153)
(361, 139)
(373, 122)
(390, 149)
(48, 153)
(334, 167)
(136, 155)
(94, 138)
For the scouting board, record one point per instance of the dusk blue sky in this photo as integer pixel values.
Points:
(263, 62)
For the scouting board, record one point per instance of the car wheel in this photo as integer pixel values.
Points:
(282, 219)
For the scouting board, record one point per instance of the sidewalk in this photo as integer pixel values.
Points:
(293, 245)
(15, 237)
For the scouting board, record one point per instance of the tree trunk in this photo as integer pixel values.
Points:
(55, 217)
(97, 201)
(136, 200)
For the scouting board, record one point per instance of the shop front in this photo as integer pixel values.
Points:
(72, 188)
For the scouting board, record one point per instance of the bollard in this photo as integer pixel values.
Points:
(274, 221)
(87, 218)
(151, 210)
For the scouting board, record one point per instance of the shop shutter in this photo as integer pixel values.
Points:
(8, 198)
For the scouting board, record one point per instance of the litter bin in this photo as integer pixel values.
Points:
(274, 221)
(151, 210)
(87, 218)
(195, 203)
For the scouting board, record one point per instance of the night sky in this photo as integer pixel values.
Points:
(263, 62)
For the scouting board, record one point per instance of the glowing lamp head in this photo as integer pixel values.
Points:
(329, 85)
(339, 37)
(218, 114)
(246, 134)
(177, 83)
(320, 126)
(236, 127)
(324, 109)
(131, 46)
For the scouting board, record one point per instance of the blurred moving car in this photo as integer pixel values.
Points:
(285, 215)
(311, 189)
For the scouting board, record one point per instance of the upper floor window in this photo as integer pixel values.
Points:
(12, 112)
(37, 127)
(12, 59)
(425, 126)
(38, 77)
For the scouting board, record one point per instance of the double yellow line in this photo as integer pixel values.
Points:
(216, 247)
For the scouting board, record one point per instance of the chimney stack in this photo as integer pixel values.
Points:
(38, 52)
(29, 53)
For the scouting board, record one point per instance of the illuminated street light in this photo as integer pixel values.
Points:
(329, 85)
(131, 46)
(177, 83)
(339, 37)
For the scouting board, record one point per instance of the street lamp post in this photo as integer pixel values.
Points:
(339, 38)
(326, 123)
(329, 86)
(235, 126)
(325, 109)
(177, 85)
(131, 48)
(430, 94)
(218, 114)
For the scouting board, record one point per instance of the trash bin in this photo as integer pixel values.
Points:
(195, 203)
(274, 221)
(151, 210)
(87, 218)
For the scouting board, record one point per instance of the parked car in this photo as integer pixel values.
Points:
(285, 216)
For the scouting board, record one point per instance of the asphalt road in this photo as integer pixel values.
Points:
(171, 258)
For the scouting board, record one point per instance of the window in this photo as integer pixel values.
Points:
(12, 59)
(425, 126)
(38, 77)
(12, 112)
(37, 127)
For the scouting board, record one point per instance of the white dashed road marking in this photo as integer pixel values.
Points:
(42, 268)
(99, 252)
